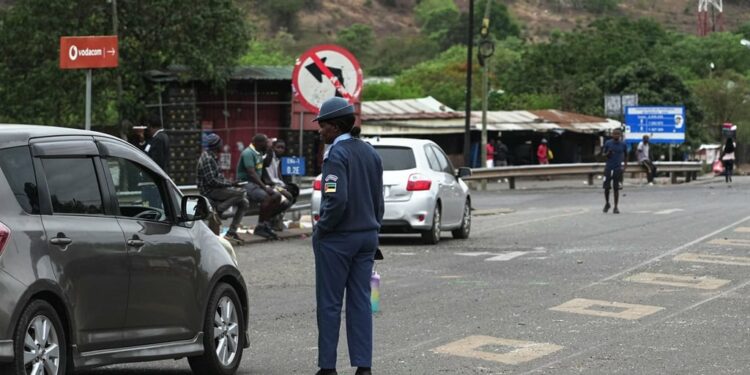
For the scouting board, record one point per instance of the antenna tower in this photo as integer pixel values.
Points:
(716, 15)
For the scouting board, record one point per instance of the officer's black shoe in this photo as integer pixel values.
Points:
(363, 371)
(327, 371)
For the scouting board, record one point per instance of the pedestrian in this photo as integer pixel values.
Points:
(616, 152)
(644, 159)
(501, 154)
(250, 170)
(157, 145)
(223, 193)
(137, 136)
(272, 176)
(490, 154)
(345, 238)
(727, 158)
(542, 152)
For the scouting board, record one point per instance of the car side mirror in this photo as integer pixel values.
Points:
(194, 207)
(464, 172)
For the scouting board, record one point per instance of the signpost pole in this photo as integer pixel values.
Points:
(88, 99)
(301, 133)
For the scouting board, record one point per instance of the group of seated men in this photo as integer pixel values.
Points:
(258, 181)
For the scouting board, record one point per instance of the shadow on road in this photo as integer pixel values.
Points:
(123, 371)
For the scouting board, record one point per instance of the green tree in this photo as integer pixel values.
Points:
(723, 99)
(443, 78)
(358, 39)
(390, 91)
(206, 37)
(394, 54)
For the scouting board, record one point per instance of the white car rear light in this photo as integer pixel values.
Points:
(418, 182)
(4, 237)
(316, 184)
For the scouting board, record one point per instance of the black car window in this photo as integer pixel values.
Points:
(73, 186)
(396, 158)
(431, 158)
(18, 169)
(445, 164)
(138, 190)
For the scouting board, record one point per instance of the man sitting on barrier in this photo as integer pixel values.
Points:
(273, 177)
(250, 169)
(223, 193)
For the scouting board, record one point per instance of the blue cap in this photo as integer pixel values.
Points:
(212, 140)
(334, 108)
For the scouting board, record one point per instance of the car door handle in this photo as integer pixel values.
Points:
(61, 241)
(136, 242)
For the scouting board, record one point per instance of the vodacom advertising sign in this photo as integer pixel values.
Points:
(88, 52)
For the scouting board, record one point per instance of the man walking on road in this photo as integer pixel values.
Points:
(644, 159)
(616, 152)
(346, 237)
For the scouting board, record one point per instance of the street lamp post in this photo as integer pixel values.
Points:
(467, 122)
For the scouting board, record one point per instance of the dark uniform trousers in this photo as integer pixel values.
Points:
(344, 261)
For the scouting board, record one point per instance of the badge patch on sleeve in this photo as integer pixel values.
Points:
(332, 177)
(330, 187)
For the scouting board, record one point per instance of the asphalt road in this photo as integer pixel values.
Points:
(550, 286)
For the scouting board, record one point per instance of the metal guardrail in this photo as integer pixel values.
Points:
(689, 169)
(303, 201)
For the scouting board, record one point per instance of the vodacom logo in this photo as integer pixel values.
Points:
(73, 53)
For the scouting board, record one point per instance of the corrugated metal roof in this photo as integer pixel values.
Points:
(256, 73)
(512, 121)
(407, 109)
(577, 122)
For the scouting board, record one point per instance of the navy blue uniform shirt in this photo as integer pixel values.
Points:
(352, 188)
(615, 152)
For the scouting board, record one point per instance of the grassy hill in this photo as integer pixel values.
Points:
(538, 17)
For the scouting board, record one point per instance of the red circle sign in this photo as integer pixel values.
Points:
(325, 71)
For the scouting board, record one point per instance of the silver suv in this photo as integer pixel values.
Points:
(101, 262)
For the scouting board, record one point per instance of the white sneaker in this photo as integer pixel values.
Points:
(650, 184)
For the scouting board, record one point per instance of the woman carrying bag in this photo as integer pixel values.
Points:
(727, 158)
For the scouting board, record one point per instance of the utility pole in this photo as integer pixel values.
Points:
(467, 123)
(486, 49)
(115, 27)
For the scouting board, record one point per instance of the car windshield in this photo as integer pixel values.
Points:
(396, 158)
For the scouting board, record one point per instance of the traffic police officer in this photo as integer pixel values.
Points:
(346, 237)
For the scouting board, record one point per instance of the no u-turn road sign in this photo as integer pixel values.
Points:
(323, 72)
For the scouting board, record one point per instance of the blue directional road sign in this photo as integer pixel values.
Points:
(292, 166)
(661, 124)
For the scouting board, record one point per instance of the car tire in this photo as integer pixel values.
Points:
(432, 235)
(464, 230)
(223, 334)
(40, 324)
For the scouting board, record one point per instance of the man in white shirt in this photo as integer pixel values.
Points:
(644, 159)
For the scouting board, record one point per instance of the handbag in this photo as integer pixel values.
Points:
(718, 167)
(550, 155)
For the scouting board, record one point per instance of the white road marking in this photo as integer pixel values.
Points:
(668, 253)
(587, 307)
(521, 352)
(696, 282)
(730, 242)
(711, 258)
(496, 257)
(669, 211)
(505, 256)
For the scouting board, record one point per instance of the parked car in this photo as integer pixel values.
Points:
(101, 262)
(423, 194)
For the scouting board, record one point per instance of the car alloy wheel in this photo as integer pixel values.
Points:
(465, 229)
(432, 235)
(226, 331)
(223, 334)
(41, 348)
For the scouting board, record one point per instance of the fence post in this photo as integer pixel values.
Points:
(512, 183)
(591, 179)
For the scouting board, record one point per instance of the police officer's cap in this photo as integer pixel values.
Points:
(334, 108)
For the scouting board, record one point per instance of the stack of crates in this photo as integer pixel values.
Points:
(311, 143)
(184, 130)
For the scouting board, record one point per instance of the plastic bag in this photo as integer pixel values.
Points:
(718, 167)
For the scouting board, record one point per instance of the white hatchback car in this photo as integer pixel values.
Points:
(422, 192)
